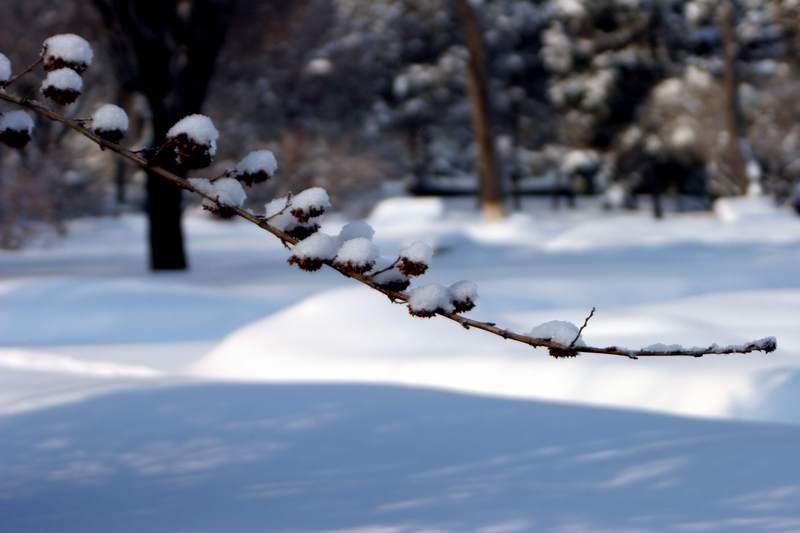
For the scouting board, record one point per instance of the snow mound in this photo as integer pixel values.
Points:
(355, 230)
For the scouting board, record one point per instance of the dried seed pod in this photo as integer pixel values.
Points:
(256, 167)
(463, 296)
(428, 300)
(311, 253)
(191, 143)
(63, 86)
(67, 51)
(110, 122)
(356, 256)
(15, 129)
(414, 259)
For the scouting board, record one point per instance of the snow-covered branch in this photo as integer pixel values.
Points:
(191, 144)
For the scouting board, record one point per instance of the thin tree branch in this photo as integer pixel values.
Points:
(768, 344)
(583, 327)
(28, 69)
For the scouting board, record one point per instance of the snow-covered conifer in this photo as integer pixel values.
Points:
(310, 253)
(5, 69)
(356, 256)
(110, 122)
(463, 295)
(15, 129)
(256, 167)
(427, 300)
(310, 203)
(63, 86)
(67, 51)
(414, 259)
(356, 229)
(192, 142)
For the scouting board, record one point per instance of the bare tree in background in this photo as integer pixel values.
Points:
(491, 192)
(169, 50)
(733, 115)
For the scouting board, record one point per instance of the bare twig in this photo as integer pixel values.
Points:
(583, 327)
(28, 69)
(765, 345)
(283, 210)
(387, 269)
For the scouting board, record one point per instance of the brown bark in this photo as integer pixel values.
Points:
(734, 121)
(490, 184)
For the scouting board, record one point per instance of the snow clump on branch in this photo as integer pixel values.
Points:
(463, 295)
(356, 256)
(193, 142)
(110, 122)
(67, 50)
(63, 86)
(558, 331)
(414, 259)
(256, 167)
(309, 204)
(428, 300)
(5, 69)
(309, 254)
(388, 277)
(227, 193)
(15, 129)
(278, 216)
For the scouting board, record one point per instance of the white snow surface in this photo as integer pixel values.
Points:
(16, 121)
(110, 117)
(359, 251)
(197, 127)
(321, 387)
(5, 68)
(64, 79)
(356, 229)
(258, 161)
(317, 246)
(431, 297)
(557, 331)
(69, 47)
(417, 252)
(311, 198)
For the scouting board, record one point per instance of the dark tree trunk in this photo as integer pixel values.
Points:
(734, 121)
(491, 193)
(171, 57)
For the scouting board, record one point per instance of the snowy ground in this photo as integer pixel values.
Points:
(107, 422)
